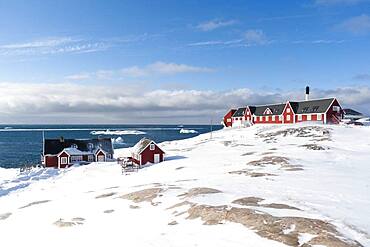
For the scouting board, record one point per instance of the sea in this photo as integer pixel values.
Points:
(21, 145)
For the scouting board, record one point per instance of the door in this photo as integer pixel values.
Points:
(157, 158)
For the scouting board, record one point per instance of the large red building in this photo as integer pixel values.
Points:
(326, 111)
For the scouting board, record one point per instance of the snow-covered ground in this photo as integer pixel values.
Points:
(298, 185)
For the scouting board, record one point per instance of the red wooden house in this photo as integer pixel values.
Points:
(147, 151)
(327, 111)
(62, 153)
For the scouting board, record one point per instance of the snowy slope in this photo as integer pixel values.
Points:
(259, 186)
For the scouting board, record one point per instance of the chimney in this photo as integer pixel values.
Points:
(61, 139)
(307, 93)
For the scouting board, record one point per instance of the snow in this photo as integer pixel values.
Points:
(117, 132)
(332, 184)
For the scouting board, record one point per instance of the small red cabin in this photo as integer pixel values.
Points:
(147, 151)
(227, 122)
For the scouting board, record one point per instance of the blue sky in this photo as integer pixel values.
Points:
(243, 52)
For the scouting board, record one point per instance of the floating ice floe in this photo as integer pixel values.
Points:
(185, 131)
(118, 140)
(117, 132)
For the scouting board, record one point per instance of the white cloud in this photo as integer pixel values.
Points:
(162, 68)
(255, 37)
(215, 24)
(338, 2)
(251, 37)
(49, 46)
(74, 103)
(356, 25)
(77, 77)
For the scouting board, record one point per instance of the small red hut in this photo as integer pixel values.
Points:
(147, 151)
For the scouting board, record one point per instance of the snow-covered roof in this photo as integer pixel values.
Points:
(141, 145)
(75, 151)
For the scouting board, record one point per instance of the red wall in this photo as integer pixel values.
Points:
(148, 155)
(269, 121)
(51, 161)
(286, 114)
(313, 118)
(330, 113)
(228, 116)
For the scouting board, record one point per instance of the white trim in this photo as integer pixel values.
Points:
(155, 144)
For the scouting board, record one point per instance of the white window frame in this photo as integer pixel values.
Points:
(280, 118)
(267, 118)
(287, 117)
(288, 110)
(63, 160)
(299, 117)
(319, 117)
(273, 118)
(309, 118)
(152, 147)
(261, 118)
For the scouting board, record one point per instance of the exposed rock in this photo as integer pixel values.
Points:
(109, 211)
(313, 147)
(247, 172)
(270, 160)
(272, 227)
(248, 201)
(172, 223)
(34, 203)
(134, 206)
(5, 216)
(248, 153)
(179, 168)
(146, 195)
(73, 222)
(278, 206)
(199, 191)
(105, 195)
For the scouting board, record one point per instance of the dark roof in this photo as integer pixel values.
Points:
(55, 146)
(311, 106)
(352, 112)
(276, 109)
(240, 112)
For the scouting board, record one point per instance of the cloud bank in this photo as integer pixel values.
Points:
(75, 103)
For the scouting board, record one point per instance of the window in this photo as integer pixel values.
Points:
(90, 158)
(308, 117)
(261, 118)
(228, 120)
(76, 158)
(73, 146)
(336, 108)
(267, 118)
(280, 118)
(319, 117)
(288, 110)
(248, 113)
(64, 160)
(152, 147)
(299, 117)
(288, 117)
(273, 118)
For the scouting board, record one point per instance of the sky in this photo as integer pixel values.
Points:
(177, 62)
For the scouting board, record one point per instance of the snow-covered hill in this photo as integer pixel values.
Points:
(260, 186)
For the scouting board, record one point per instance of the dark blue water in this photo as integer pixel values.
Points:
(21, 145)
